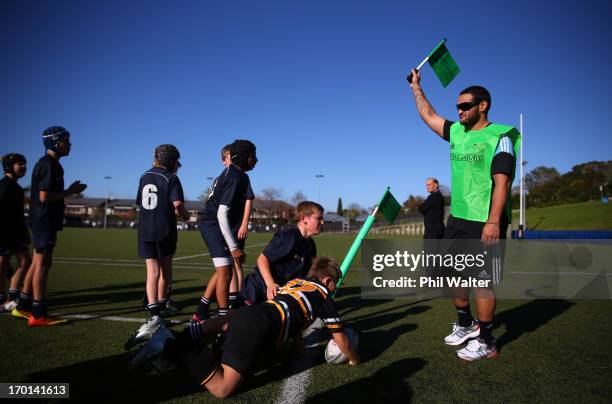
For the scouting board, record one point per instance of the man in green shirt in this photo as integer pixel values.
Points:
(482, 156)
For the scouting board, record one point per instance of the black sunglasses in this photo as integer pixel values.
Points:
(465, 106)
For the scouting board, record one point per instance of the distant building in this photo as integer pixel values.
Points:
(82, 211)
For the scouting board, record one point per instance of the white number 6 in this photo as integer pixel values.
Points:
(149, 197)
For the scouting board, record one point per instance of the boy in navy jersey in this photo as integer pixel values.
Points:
(14, 235)
(160, 199)
(237, 278)
(220, 221)
(252, 330)
(287, 256)
(46, 218)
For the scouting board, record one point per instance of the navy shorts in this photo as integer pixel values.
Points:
(44, 242)
(254, 290)
(12, 248)
(218, 249)
(155, 249)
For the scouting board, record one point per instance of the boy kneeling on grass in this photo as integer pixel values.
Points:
(253, 329)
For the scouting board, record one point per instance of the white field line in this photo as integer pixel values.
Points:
(127, 264)
(205, 254)
(294, 388)
(108, 318)
(135, 262)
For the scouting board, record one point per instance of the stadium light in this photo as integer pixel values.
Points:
(318, 177)
(106, 200)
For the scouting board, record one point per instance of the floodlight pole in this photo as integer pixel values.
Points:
(106, 200)
(319, 176)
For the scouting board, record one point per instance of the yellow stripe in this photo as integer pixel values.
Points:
(334, 326)
(210, 376)
(297, 297)
(282, 313)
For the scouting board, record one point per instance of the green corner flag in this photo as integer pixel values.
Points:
(443, 64)
(389, 207)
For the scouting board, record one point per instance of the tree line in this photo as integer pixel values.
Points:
(545, 186)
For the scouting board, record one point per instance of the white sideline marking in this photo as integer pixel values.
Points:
(190, 256)
(294, 388)
(127, 264)
(205, 254)
(140, 262)
(108, 318)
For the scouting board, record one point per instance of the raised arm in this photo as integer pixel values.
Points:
(74, 188)
(426, 111)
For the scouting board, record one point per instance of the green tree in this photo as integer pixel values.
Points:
(339, 211)
(412, 203)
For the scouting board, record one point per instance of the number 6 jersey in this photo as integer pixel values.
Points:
(157, 191)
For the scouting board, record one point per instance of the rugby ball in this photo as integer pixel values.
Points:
(334, 355)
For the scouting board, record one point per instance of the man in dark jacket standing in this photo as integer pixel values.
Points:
(433, 210)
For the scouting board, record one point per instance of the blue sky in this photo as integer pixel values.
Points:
(318, 86)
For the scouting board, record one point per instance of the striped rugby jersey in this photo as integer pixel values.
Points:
(300, 302)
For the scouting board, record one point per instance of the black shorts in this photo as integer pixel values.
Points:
(44, 242)
(218, 249)
(154, 249)
(11, 248)
(468, 242)
(252, 330)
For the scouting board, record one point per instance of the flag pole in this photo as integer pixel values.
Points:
(521, 229)
(420, 66)
(350, 256)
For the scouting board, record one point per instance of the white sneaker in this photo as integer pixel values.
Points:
(461, 334)
(145, 332)
(477, 349)
(10, 305)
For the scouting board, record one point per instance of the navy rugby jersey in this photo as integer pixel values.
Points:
(232, 188)
(300, 302)
(157, 191)
(290, 255)
(13, 228)
(48, 175)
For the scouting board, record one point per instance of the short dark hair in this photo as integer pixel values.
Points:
(480, 94)
(322, 267)
(307, 208)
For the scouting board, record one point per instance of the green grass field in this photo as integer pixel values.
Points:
(592, 215)
(551, 351)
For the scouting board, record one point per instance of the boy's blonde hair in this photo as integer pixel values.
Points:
(307, 208)
(324, 266)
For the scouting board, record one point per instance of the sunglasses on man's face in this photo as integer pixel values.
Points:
(465, 106)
